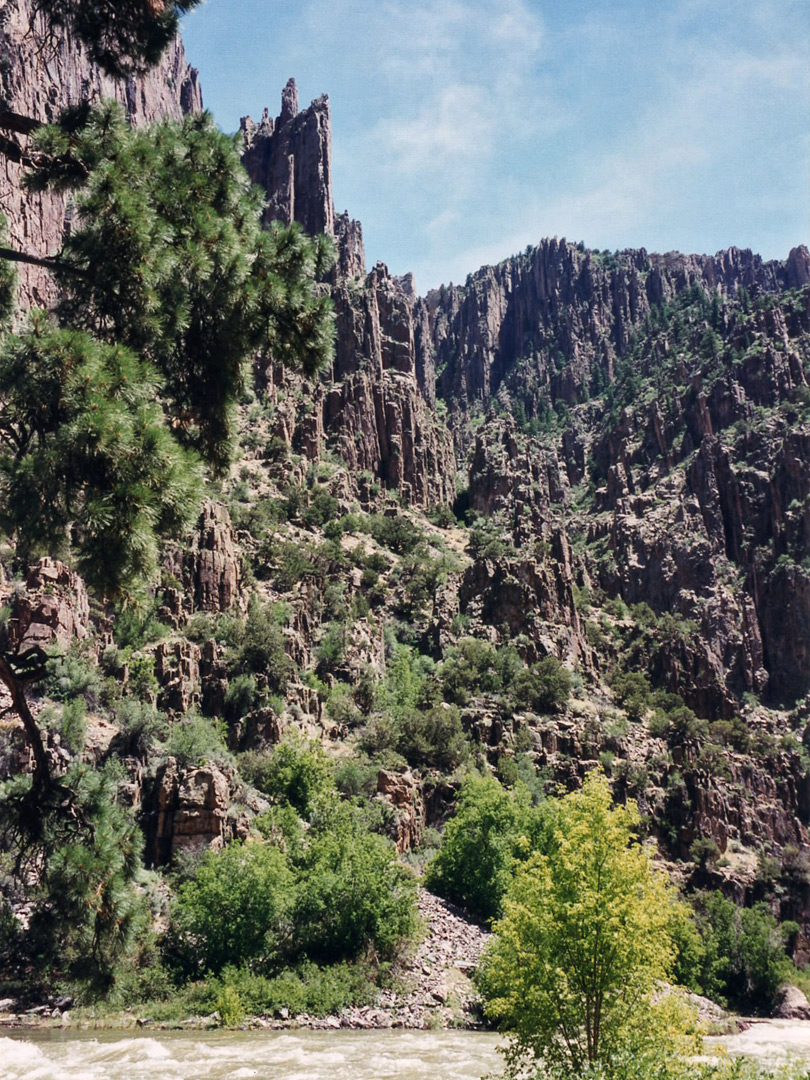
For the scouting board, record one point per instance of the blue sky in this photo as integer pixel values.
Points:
(464, 130)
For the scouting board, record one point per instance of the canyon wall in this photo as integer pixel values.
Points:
(40, 75)
(376, 405)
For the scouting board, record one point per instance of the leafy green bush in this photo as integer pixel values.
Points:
(72, 674)
(741, 959)
(233, 911)
(240, 697)
(340, 705)
(681, 726)
(471, 668)
(354, 895)
(142, 683)
(306, 987)
(136, 626)
(292, 563)
(632, 690)
(322, 507)
(298, 773)
(544, 687)
(353, 777)
(433, 738)
(195, 740)
(399, 534)
(332, 647)
(493, 829)
(262, 650)
(332, 893)
(70, 723)
(140, 724)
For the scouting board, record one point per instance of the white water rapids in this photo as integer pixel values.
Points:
(306, 1055)
(287, 1055)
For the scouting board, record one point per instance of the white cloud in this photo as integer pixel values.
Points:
(487, 127)
(450, 131)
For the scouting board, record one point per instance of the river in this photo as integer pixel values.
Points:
(303, 1055)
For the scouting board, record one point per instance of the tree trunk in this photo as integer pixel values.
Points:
(42, 770)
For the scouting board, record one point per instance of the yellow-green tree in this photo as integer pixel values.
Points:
(575, 970)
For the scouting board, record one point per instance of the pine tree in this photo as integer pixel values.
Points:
(170, 260)
(111, 407)
(122, 36)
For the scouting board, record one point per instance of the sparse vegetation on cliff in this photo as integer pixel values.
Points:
(396, 635)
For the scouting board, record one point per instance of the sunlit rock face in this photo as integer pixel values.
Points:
(41, 75)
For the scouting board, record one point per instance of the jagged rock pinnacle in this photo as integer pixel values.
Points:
(289, 102)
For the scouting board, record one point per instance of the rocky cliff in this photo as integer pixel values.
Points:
(580, 466)
(40, 75)
(290, 157)
(551, 324)
(376, 407)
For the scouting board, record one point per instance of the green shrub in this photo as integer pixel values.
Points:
(443, 517)
(136, 626)
(262, 649)
(71, 675)
(72, 725)
(399, 534)
(684, 726)
(704, 851)
(353, 777)
(229, 1007)
(742, 960)
(632, 690)
(233, 911)
(293, 562)
(140, 724)
(340, 705)
(298, 773)
(493, 829)
(354, 894)
(433, 738)
(471, 668)
(196, 740)
(544, 687)
(319, 991)
(142, 683)
(240, 697)
(332, 647)
(322, 508)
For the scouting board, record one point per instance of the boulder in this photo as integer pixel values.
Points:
(791, 1004)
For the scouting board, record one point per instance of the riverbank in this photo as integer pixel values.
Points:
(433, 991)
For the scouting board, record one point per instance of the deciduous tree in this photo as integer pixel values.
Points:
(584, 945)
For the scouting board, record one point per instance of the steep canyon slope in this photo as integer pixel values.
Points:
(591, 458)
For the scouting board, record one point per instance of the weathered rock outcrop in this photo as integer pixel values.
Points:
(791, 1004)
(700, 496)
(402, 791)
(177, 670)
(186, 810)
(291, 158)
(551, 323)
(376, 408)
(53, 609)
(207, 568)
(38, 78)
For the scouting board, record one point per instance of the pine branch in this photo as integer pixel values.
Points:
(23, 125)
(53, 264)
